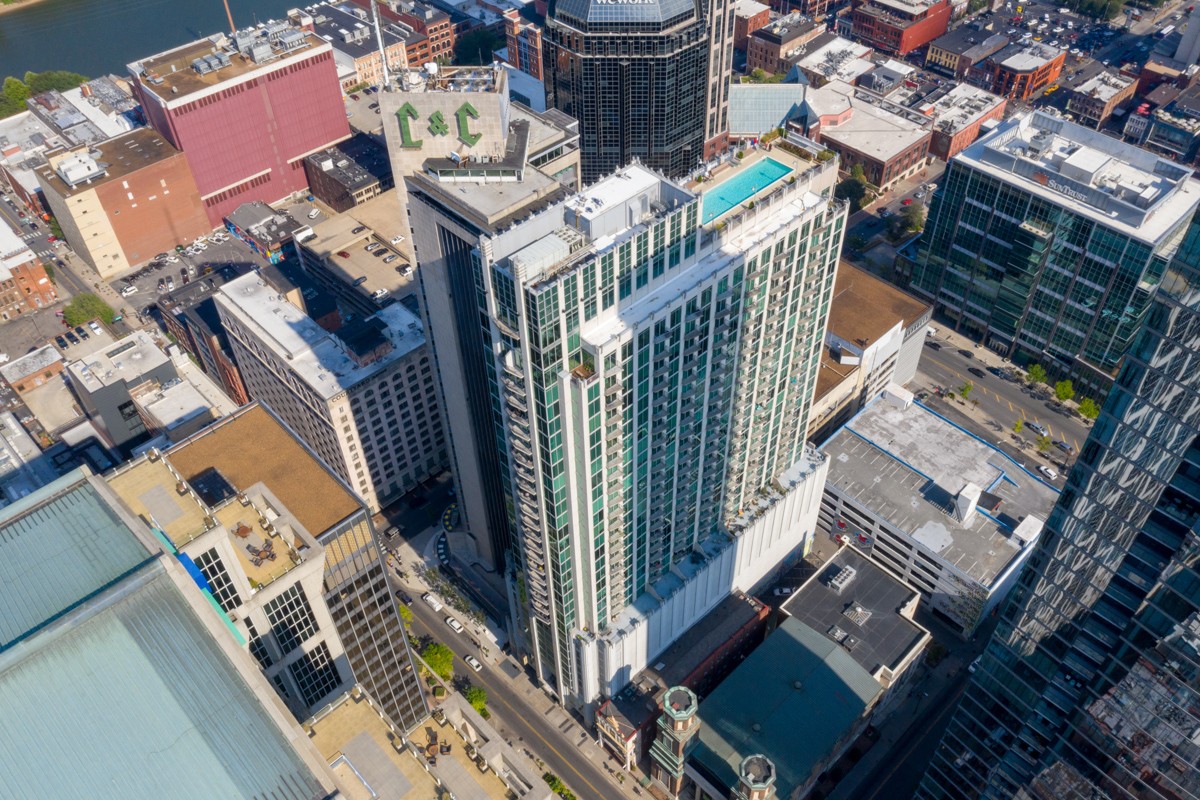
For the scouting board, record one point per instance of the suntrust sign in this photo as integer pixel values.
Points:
(436, 125)
(1061, 188)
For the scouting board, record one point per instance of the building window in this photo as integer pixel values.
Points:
(258, 648)
(291, 618)
(218, 580)
(315, 674)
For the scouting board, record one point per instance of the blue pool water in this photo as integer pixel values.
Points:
(748, 182)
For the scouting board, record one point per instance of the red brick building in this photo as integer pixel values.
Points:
(748, 17)
(1020, 71)
(958, 118)
(524, 40)
(24, 285)
(771, 47)
(245, 110)
(899, 26)
(123, 201)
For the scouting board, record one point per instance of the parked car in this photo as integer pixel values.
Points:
(782, 591)
(81, 332)
(390, 258)
(314, 213)
(95, 326)
(433, 602)
(404, 597)
(128, 290)
(454, 624)
(343, 254)
(360, 280)
(1048, 471)
(906, 201)
(473, 663)
(61, 342)
(71, 337)
(372, 247)
(1065, 446)
(359, 229)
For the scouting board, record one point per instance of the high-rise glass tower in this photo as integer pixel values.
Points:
(650, 378)
(1090, 686)
(634, 75)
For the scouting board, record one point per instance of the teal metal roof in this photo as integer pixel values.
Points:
(58, 546)
(129, 696)
(802, 691)
(758, 108)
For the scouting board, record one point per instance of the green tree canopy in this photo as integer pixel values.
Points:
(1019, 425)
(406, 615)
(477, 696)
(440, 659)
(1036, 373)
(56, 79)
(965, 390)
(851, 191)
(913, 217)
(1043, 444)
(1088, 408)
(476, 46)
(85, 308)
(1064, 391)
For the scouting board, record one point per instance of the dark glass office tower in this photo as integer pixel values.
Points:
(1090, 686)
(633, 74)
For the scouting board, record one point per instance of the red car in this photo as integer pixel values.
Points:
(906, 201)
(343, 254)
(51, 238)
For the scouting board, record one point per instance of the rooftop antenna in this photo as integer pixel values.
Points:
(229, 16)
(379, 39)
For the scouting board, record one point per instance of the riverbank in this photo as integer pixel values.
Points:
(5, 6)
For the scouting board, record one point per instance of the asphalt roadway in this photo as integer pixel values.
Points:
(524, 714)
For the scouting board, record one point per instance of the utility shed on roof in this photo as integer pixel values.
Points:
(796, 677)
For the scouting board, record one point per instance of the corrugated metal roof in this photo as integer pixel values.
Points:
(791, 700)
(58, 545)
(129, 697)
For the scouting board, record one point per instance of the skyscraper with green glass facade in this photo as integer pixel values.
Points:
(1046, 242)
(1090, 686)
(647, 379)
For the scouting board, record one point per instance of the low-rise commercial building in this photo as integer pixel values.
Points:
(889, 141)
(268, 231)
(24, 284)
(1094, 101)
(875, 338)
(962, 48)
(363, 398)
(773, 47)
(899, 26)
(943, 511)
(959, 116)
(106, 380)
(349, 173)
(1019, 71)
(351, 32)
(121, 202)
(1174, 129)
(33, 369)
(24, 142)
(832, 58)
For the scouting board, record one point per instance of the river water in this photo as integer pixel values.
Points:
(96, 37)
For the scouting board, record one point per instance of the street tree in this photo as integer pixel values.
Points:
(406, 615)
(1043, 444)
(1064, 391)
(440, 659)
(477, 696)
(1088, 408)
(1019, 425)
(1036, 373)
(964, 391)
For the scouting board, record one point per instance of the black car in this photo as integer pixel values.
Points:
(71, 337)
(933, 345)
(61, 342)
(404, 597)
(977, 372)
(81, 332)
(966, 353)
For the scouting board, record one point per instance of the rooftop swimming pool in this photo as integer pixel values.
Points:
(749, 181)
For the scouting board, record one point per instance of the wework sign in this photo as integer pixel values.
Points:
(436, 125)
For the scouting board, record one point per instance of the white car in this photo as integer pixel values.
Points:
(397, 239)
(454, 624)
(314, 213)
(200, 246)
(172, 259)
(473, 663)
(128, 290)
(1047, 471)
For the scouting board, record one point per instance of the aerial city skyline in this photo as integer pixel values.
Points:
(724, 400)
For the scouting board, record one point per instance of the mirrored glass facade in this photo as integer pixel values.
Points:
(1091, 682)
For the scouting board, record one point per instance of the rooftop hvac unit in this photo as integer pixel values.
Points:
(843, 578)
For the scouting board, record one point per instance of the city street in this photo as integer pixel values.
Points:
(523, 713)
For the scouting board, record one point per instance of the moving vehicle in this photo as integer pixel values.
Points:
(454, 624)
(1038, 428)
(1065, 446)
(473, 663)
(433, 602)
(403, 597)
